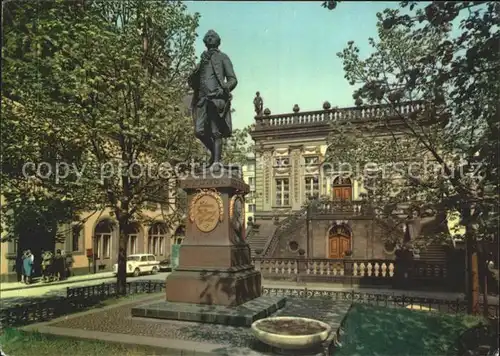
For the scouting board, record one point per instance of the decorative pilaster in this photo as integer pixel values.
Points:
(267, 177)
(295, 176)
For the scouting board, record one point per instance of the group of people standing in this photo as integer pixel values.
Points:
(53, 267)
(27, 266)
(56, 267)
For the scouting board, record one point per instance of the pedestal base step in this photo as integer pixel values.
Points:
(241, 315)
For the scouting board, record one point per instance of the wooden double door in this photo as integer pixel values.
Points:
(342, 193)
(338, 246)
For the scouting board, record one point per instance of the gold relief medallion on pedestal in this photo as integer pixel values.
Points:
(206, 210)
(237, 215)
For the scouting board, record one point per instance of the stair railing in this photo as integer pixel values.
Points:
(286, 226)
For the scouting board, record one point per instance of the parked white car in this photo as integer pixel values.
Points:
(139, 264)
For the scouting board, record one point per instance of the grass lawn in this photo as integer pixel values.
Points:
(19, 343)
(372, 330)
(16, 342)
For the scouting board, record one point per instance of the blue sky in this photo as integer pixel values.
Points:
(287, 50)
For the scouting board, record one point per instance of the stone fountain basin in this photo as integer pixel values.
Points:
(282, 332)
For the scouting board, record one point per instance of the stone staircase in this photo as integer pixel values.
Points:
(434, 252)
(286, 227)
(258, 236)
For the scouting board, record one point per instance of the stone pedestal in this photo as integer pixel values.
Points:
(215, 267)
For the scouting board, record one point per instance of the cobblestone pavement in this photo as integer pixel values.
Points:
(118, 320)
(12, 298)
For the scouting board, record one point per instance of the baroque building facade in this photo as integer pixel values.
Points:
(291, 169)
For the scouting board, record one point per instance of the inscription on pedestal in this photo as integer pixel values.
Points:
(206, 210)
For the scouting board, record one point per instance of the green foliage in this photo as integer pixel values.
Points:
(35, 127)
(439, 61)
(376, 330)
(237, 147)
(101, 86)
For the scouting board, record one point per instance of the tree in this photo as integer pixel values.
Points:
(237, 147)
(451, 82)
(124, 102)
(40, 192)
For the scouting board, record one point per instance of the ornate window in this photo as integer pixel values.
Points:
(312, 186)
(282, 192)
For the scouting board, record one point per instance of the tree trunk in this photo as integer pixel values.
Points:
(483, 274)
(485, 297)
(472, 274)
(121, 276)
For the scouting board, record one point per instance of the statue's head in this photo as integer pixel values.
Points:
(211, 39)
(258, 93)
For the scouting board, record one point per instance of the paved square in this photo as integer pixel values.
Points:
(117, 324)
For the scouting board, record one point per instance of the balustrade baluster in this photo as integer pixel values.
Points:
(335, 269)
(362, 268)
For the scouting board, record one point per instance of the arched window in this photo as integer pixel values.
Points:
(342, 188)
(102, 239)
(339, 241)
(133, 239)
(156, 239)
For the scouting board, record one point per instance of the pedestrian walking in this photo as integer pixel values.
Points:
(21, 263)
(59, 265)
(28, 266)
(47, 269)
(69, 265)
